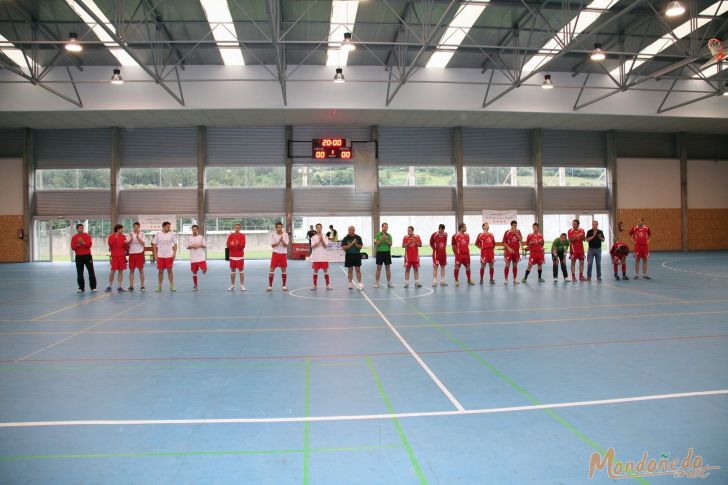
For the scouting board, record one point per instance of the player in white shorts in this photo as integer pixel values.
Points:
(319, 260)
(279, 258)
(196, 244)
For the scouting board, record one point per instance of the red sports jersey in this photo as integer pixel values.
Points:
(236, 245)
(513, 239)
(412, 252)
(576, 240)
(535, 243)
(461, 243)
(81, 244)
(485, 241)
(438, 242)
(117, 244)
(619, 246)
(641, 235)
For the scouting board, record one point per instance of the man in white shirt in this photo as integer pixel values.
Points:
(319, 259)
(279, 258)
(196, 244)
(164, 248)
(136, 243)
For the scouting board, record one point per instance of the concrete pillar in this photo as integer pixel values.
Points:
(28, 192)
(374, 136)
(457, 142)
(114, 177)
(537, 160)
(612, 182)
(201, 164)
(682, 154)
(289, 186)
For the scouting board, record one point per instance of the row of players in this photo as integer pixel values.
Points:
(164, 248)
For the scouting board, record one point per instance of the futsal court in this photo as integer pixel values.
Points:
(481, 384)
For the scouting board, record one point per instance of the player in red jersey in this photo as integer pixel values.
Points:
(461, 248)
(117, 247)
(641, 238)
(411, 244)
(512, 244)
(486, 242)
(535, 252)
(619, 252)
(438, 243)
(576, 237)
(279, 258)
(236, 253)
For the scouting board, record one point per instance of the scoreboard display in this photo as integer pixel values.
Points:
(324, 148)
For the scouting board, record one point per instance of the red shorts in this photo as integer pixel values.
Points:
(618, 260)
(513, 257)
(136, 260)
(237, 264)
(165, 263)
(118, 263)
(200, 265)
(576, 255)
(641, 251)
(462, 259)
(535, 258)
(317, 265)
(278, 260)
(487, 256)
(412, 264)
(439, 258)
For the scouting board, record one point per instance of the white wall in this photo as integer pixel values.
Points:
(11, 186)
(707, 184)
(644, 183)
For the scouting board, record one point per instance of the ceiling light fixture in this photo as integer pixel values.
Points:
(547, 83)
(116, 77)
(72, 45)
(674, 9)
(339, 76)
(347, 45)
(598, 54)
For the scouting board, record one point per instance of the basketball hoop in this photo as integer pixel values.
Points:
(717, 53)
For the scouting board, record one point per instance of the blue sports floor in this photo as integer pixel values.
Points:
(471, 385)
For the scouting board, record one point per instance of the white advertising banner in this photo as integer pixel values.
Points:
(334, 253)
(499, 218)
(154, 222)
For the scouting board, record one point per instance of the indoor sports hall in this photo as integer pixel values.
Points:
(363, 242)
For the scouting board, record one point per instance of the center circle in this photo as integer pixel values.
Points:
(425, 292)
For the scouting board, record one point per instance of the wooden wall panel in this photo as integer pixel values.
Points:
(664, 224)
(12, 249)
(712, 221)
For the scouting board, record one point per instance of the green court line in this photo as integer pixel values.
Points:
(397, 424)
(198, 453)
(306, 425)
(480, 359)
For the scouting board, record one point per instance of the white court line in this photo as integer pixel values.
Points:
(664, 265)
(84, 302)
(419, 360)
(363, 417)
(79, 332)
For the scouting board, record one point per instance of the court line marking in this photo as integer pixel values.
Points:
(642, 292)
(364, 327)
(364, 417)
(79, 332)
(664, 265)
(448, 312)
(293, 293)
(84, 302)
(414, 354)
(375, 354)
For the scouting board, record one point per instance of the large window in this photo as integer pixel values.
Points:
(72, 178)
(492, 176)
(147, 178)
(574, 177)
(424, 226)
(416, 176)
(217, 177)
(362, 226)
(257, 234)
(555, 224)
(323, 175)
(475, 227)
(52, 238)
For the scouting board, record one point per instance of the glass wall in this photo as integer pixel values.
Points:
(424, 226)
(362, 225)
(323, 175)
(417, 176)
(72, 179)
(257, 233)
(574, 177)
(496, 176)
(555, 224)
(475, 223)
(52, 238)
(224, 177)
(146, 178)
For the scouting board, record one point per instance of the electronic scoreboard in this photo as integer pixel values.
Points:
(323, 148)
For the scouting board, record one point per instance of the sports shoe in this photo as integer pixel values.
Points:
(159, 289)
(524, 280)
(94, 290)
(470, 282)
(270, 288)
(624, 277)
(457, 283)
(417, 285)
(390, 285)
(616, 277)
(573, 278)
(141, 289)
(636, 277)
(442, 283)
(351, 286)
(505, 282)
(194, 288)
(481, 282)
(313, 288)
(79, 290)
(360, 286)
(120, 289)
(329, 287)
(515, 282)
(284, 288)
(172, 289)
(131, 288)
(541, 280)
(242, 288)
(647, 277)
(556, 280)
(232, 288)
(107, 290)
(376, 285)
(406, 285)
(599, 278)
(492, 282)
(581, 278)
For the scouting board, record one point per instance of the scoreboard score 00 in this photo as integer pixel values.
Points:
(323, 148)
